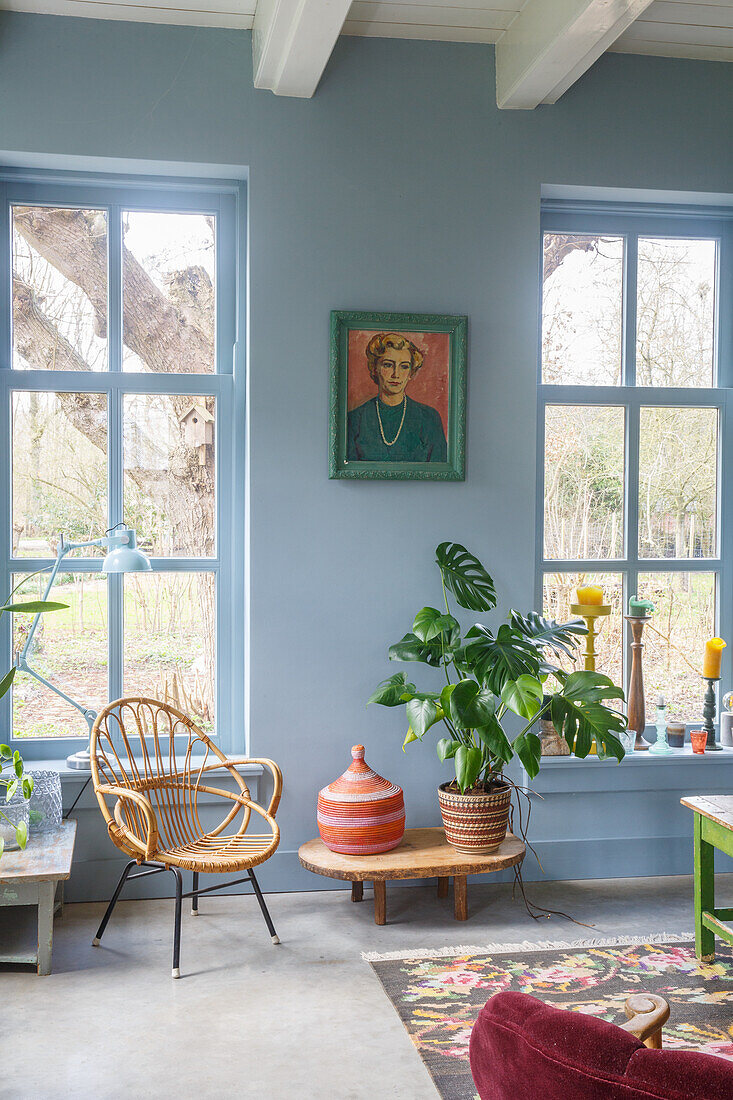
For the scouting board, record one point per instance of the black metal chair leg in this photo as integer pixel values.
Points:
(113, 902)
(195, 899)
(177, 929)
(263, 907)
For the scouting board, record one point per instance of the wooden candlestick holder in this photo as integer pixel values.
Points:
(708, 714)
(636, 702)
(590, 612)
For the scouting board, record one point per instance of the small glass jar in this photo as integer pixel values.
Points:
(15, 812)
(628, 739)
(45, 804)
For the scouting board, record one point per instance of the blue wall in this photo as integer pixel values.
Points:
(400, 186)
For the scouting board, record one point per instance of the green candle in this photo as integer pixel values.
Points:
(640, 608)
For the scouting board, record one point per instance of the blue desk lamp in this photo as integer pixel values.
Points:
(123, 556)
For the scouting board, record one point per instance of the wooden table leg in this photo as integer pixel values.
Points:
(460, 897)
(357, 891)
(380, 902)
(443, 882)
(46, 891)
(704, 893)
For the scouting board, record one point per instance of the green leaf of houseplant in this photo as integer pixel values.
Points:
(494, 660)
(578, 713)
(5, 688)
(28, 783)
(423, 712)
(558, 638)
(446, 748)
(496, 741)
(464, 576)
(2, 845)
(21, 834)
(410, 736)
(528, 748)
(468, 760)
(33, 607)
(471, 705)
(523, 695)
(392, 691)
(6, 752)
(10, 790)
(410, 648)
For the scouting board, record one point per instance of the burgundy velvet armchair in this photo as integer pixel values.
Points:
(522, 1049)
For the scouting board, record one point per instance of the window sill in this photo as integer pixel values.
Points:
(639, 759)
(68, 775)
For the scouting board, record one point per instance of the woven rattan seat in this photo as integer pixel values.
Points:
(150, 766)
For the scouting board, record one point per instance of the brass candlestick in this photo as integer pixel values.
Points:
(636, 703)
(708, 714)
(590, 612)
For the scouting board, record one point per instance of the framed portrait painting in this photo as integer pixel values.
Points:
(398, 396)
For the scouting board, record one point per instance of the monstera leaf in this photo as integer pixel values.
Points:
(468, 760)
(391, 692)
(579, 714)
(471, 705)
(495, 660)
(423, 712)
(410, 648)
(33, 607)
(6, 682)
(558, 638)
(523, 696)
(528, 748)
(464, 576)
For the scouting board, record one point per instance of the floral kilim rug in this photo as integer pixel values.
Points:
(438, 994)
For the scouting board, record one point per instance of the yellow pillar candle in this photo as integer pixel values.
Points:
(713, 656)
(591, 594)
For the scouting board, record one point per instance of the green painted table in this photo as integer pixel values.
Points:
(29, 880)
(713, 829)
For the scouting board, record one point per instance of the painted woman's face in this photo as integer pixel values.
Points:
(394, 370)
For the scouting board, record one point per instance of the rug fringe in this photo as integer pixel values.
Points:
(525, 945)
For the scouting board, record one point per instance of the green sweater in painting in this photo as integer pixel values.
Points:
(421, 438)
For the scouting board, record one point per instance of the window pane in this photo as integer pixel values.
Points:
(170, 468)
(69, 649)
(582, 308)
(684, 619)
(59, 452)
(675, 312)
(678, 457)
(59, 288)
(559, 594)
(170, 641)
(169, 295)
(584, 474)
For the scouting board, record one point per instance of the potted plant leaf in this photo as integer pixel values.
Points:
(489, 674)
(18, 785)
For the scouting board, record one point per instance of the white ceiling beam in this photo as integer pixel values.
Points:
(553, 42)
(292, 41)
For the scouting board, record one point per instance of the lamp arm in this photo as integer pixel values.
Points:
(22, 665)
(64, 549)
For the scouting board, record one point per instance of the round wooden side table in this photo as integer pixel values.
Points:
(423, 853)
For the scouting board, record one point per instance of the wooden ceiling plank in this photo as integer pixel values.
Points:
(292, 41)
(429, 15)
(551, 43)
(420, 32)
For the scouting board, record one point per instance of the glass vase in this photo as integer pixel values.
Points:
(15, 812)
(45, 804)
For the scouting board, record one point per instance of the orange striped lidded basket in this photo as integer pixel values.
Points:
(360, 813)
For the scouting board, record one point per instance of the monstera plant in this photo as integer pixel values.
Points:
(488, 674)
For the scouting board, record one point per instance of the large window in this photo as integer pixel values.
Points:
(636, 437)
(118, 400)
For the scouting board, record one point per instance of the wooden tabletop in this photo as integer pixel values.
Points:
(423, 853)
(717, 807)
(46, 858)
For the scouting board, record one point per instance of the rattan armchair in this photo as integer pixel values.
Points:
(154, 795)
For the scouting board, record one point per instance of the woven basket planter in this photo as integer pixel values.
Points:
(475, 823)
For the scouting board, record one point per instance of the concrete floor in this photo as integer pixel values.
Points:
(306, 1019)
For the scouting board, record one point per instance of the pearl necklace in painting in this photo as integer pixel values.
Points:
(386, 441)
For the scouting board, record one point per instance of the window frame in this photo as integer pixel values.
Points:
(633, 222)
(227, 200)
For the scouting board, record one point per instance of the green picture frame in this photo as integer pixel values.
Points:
(443, 419)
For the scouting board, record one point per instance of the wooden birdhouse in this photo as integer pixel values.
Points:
(197, 426)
